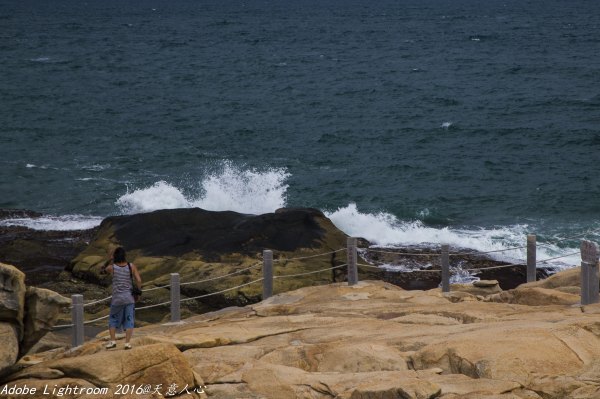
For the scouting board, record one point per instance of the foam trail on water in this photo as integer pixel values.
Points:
(384, 229)
(231, 188)
(55, 223)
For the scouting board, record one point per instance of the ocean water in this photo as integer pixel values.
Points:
(407, 122)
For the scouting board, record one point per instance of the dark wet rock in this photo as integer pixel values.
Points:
(181, 231)
(424, 261)
(200, 245)
(41, 254)
(18, 214)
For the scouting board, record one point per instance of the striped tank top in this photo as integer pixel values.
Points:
(122, 285)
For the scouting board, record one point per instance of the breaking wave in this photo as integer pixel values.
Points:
(232, 188)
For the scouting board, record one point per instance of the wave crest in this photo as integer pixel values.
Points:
(246, 191)
(384, 229)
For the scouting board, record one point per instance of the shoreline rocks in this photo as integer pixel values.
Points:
(372, 340)
(26, 315)
(202, 245)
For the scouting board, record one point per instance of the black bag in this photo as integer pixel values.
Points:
(135, 291)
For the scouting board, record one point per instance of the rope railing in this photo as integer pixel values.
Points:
(222, 291)
(407, 271)
(187, 283)
(158, 287)
(502, 250)
(400, 253)
(85, 322)
(98, 301)
(589, 255)
(492, 267)
(522, 263)
(308, 257)
(223, 276)
(558, 257)
(308, 273)
(437, 254)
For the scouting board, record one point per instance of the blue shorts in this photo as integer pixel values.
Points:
(122, 316)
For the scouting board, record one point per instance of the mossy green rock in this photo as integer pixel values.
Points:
(201, 245)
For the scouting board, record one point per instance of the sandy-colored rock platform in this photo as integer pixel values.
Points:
(372, 340)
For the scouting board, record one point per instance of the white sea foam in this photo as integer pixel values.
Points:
(96, 167)
(232, 188)
(384, 229)
(31, 166)
(161, 195)
(55, 223)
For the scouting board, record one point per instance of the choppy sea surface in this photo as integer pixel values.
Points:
(407, 122)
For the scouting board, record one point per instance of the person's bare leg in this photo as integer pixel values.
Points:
(128, 334)
(112, 343)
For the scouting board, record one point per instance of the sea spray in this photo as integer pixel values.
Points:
(231, 188)
(161, 195)
(385, 230)
(55, 223)
(245, 191)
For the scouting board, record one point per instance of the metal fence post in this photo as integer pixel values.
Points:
(589, 272)
(445, 268)
(352, 255)
(175, 297)
(77, 318)
(531, 258)
(267, 274)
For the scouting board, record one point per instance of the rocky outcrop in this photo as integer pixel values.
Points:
(200, 244)
(42, 310)
(143, 368)
(26, 314)
(371, 340)
(41, 255)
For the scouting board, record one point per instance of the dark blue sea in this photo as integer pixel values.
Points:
(464, 122)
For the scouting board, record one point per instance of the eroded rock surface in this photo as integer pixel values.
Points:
(372, 340)
(26, 315)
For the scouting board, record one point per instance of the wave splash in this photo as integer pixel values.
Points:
(55, 223)
(385, 230)
(248, 191)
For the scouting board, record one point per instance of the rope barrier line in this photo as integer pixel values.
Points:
(522, 263)
(153, 306)
(438, 254)
(308, 257)
(371, 266)
(493, 267)
(501, 250)
(85, 322)
(188, 283)
(401, 253)
(404, 271)
(220, 292)
(307, 273)
(61, 326)
(95, 302)
(159, 287)
(557, 257)
(95, 320)
(220, 277)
